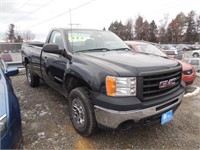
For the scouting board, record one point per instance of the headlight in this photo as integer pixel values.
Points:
(121, 86)
(187, 72)
(2, 125)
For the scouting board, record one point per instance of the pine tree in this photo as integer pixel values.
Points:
(139, 31)
(179, 27)
(191, 32)
(153, 31)
(11, 33)
(146, 29)
(128, 30)
(123, 31)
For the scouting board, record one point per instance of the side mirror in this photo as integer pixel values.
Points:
(52, 48)
(12, 71)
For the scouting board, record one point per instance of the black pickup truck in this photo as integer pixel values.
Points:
(106, 84)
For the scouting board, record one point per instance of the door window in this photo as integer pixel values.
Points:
(56, 38)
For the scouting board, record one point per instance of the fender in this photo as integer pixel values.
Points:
(86, 74)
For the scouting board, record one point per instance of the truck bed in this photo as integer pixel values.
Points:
(38, 44)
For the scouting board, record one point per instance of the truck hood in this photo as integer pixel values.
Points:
(128, 63)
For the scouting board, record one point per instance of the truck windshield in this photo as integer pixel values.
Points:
(94, 40)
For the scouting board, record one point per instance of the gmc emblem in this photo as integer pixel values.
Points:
(167, 83)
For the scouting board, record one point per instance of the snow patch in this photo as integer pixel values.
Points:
(194, 93)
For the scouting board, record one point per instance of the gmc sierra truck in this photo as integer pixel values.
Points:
(106, 84)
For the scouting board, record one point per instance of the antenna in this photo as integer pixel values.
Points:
(74, 24)
(71, 25)
(70, 20)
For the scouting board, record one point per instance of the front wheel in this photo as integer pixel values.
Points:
(32, 79)
(81, 112)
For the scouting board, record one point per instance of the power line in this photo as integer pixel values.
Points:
(61, 14)
(34, 11)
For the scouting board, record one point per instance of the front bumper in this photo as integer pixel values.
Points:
(113, 119)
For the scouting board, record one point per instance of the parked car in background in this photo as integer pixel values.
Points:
(195, 62)
(10, 119)
(144, 47)
(183, 47)
(172, 52)
(196, 53)
(6, 57)
(195, 46)
(188, 72)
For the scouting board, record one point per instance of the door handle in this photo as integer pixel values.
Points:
(45, 59)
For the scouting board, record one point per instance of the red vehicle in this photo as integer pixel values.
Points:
(188, 72)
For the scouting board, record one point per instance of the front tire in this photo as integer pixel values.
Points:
(81, 111)
(32, 79)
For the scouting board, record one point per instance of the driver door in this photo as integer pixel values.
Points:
(53, 65)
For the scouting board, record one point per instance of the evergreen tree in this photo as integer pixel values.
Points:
(139, 31)
(179, 27)
(11, 33)
(128, 30)
(162, 35)
(191, 32)
(117, 28)
(153, 31)
(146, 29)
(123, 31)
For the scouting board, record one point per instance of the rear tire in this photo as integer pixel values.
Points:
(195, 55)
(32, 79)
(81, 111)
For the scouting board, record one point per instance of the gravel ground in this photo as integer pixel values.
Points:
(46, 124)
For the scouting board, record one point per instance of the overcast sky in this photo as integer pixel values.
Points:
(40, 16)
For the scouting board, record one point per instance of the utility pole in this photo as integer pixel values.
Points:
(70, 17)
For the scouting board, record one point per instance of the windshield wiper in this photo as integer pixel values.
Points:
(118, 49)
(95, 49)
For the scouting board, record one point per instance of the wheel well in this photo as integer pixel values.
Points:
(26, 61)
(72, 82)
